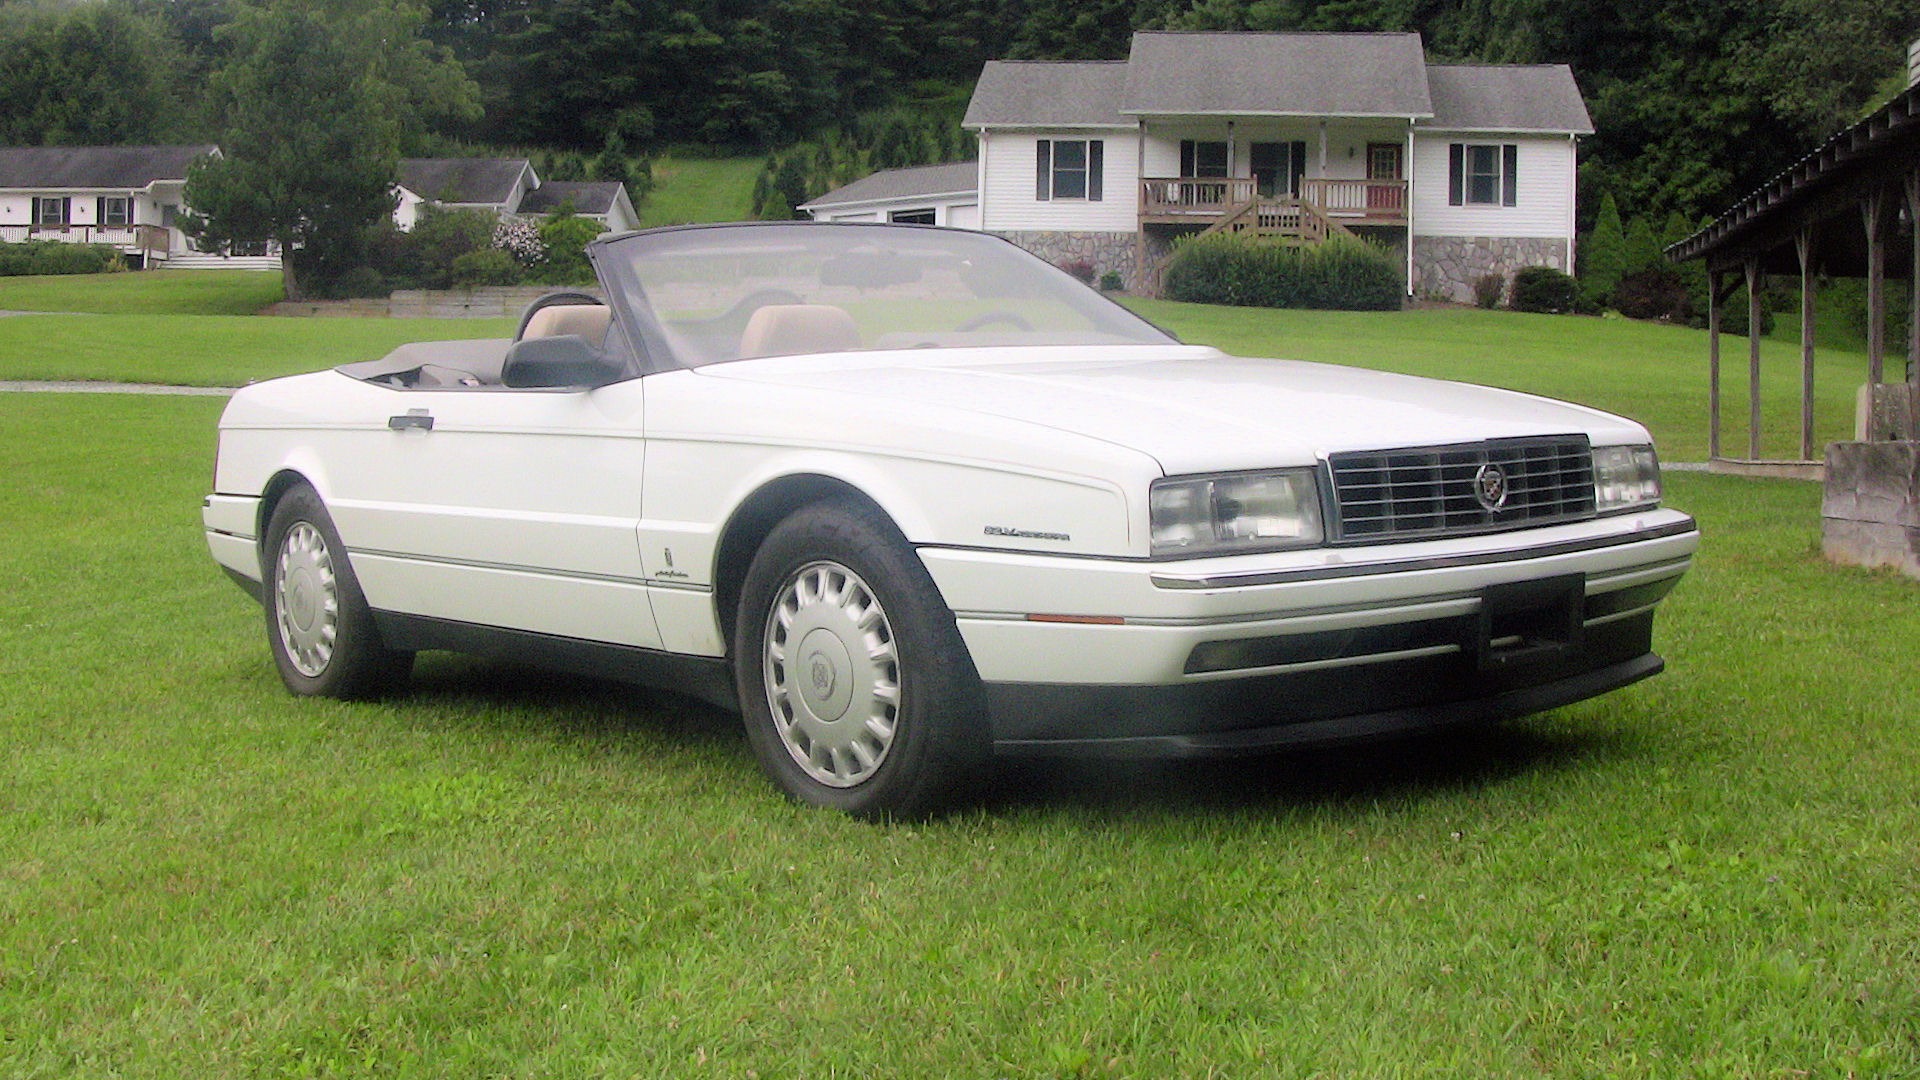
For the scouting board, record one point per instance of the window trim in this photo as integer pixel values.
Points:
(1506, 181)
(125, 202)
(64, 202)
(1047, 171)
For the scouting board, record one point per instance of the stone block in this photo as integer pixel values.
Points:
(1870, 505)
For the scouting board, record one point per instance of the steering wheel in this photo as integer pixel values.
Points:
(992, 317)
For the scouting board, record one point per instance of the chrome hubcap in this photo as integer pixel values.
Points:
(306, 599)
(832, 674)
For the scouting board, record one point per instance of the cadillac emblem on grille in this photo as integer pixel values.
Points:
(1490, 487)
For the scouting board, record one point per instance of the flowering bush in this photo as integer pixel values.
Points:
(520, 238)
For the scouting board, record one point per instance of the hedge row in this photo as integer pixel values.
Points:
(55, 257)
(1344, 273)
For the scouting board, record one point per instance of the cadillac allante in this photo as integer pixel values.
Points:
(909, 498)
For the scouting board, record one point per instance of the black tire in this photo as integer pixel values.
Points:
(894, 726)
(310, 588)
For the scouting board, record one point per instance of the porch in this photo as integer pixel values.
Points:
(151, 242)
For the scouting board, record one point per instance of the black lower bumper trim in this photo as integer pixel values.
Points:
(1401, 721)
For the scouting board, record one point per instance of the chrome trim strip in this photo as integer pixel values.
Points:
(1322, 665)
(541, 571)
(1436, 562)
(1618, 615)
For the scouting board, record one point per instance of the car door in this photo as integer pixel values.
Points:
(501, 507)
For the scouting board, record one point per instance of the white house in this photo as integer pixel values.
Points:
(1464, 169)
(507, 186)
(925, 195)
(128, 197)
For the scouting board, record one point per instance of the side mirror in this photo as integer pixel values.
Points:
(563, 360)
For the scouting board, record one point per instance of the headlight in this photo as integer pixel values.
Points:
(1214, 515)
(1625, 478)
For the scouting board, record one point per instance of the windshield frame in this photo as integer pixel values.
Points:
(619, 258)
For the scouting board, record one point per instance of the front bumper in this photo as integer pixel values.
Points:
(1329, 643)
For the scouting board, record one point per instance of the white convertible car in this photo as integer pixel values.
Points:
(908, 498)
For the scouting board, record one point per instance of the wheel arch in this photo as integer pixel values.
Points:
(747, 528)
(276, 489)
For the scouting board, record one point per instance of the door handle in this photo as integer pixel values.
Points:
(414, 418)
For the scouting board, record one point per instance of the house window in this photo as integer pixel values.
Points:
(1483, 174)
(1069, 169)
(115, 211)
(169, 214)
(1203, 159)
(911, 217)
(52, 211)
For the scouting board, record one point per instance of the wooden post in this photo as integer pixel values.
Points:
(1715, 298)
(1755, 279)
(1803, 245)
(1913, 310)
(1872, 210)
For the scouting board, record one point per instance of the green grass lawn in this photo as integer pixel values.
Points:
(1653, 373)
(208, 350)
(696, 189)
(1712, 874)
(153, 292)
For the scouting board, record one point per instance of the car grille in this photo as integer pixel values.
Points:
(1438, 490)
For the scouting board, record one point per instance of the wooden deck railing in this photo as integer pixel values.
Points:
(148, 238)
(1198, 200)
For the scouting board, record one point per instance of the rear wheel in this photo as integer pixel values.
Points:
(318, 624)
(856, 688)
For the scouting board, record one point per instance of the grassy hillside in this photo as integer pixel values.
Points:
(687, 190)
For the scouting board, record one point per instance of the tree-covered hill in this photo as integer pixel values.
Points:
(1696, 102)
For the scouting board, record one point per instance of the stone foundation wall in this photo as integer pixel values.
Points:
(1445, 267)
(1870, 508)
(1109, 252)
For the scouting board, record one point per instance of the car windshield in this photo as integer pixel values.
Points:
(707, 295)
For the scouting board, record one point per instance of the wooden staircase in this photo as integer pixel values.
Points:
(1287, 219)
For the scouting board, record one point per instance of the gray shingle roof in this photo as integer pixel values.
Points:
(1294, 74)
(1488, 97)
(588, 196)
(462, 180)
(1037, 93)
(79, 167)
(927, 180)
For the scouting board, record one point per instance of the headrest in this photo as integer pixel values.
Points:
(584, 320)
(790, 329)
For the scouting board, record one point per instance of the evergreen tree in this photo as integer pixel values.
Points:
(1603, 258)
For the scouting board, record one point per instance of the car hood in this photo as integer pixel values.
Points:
(1193, 409)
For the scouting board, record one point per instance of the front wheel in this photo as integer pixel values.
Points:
(855, 686)
(318, 625)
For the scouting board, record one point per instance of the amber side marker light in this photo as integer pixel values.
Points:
(1083, 620)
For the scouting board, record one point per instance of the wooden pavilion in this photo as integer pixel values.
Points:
(1849, 209)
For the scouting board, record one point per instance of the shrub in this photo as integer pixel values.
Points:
(1344, 273)
(520, 239)
(1082, 269)
(56, 257)
(1652, 294)
(1110, 282)
(1489, 290)
(564, 239)
(1545, 290)
(490, 266)
(361, 281)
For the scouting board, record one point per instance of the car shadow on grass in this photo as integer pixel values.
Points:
(1453, 761)
(507, 698)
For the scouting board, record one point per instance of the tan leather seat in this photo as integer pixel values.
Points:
(587, 320)
(791, 329)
